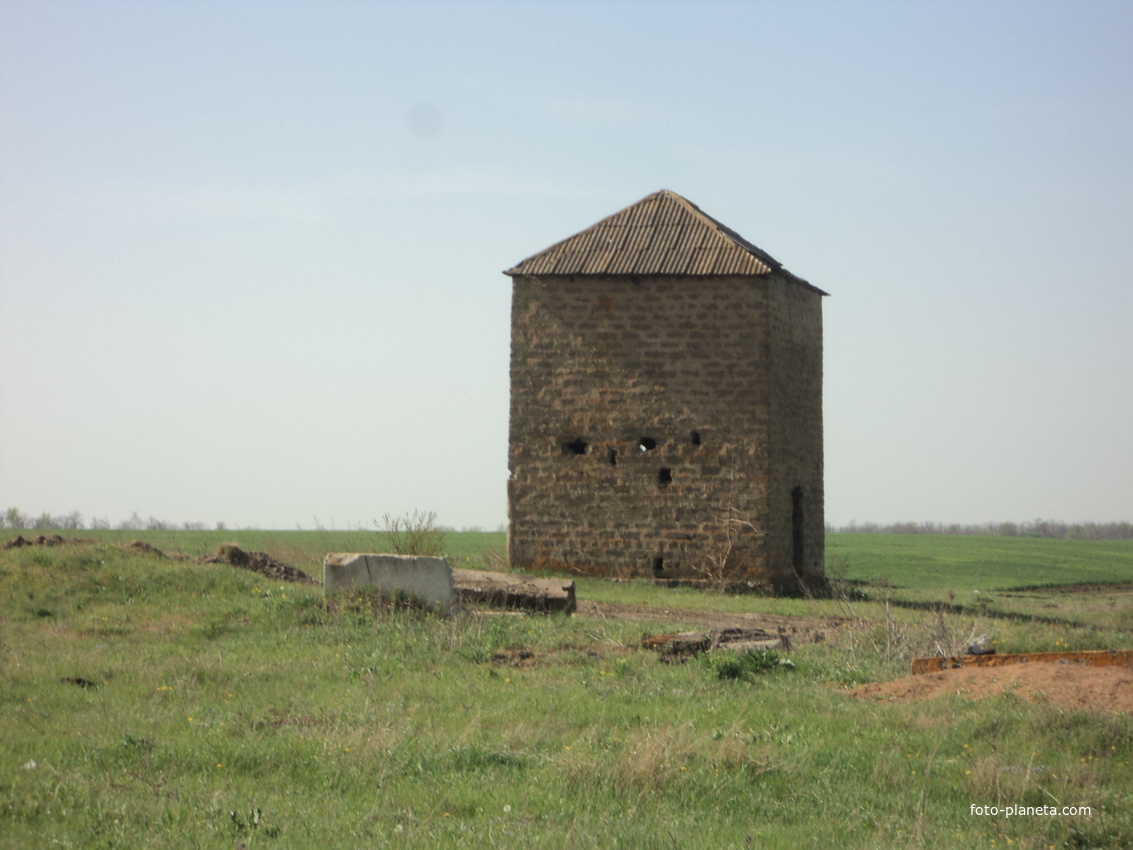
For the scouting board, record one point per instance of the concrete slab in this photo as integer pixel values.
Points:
(509, 590)
(427, 579)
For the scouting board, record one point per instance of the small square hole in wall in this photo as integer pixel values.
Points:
(664, 477)
(694, 438)
(577, 446)
(646, 444)
(613, 457)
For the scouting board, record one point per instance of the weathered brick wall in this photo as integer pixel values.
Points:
(640, 431)
(796, 504)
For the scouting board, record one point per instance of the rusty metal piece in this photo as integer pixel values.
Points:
(1087, 658)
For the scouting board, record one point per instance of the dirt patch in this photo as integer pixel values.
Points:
(78, 680)
(524, 657)
(278, 718)
(521, 657)
(258, 562)
(1105, 689)
(42, 540)
(801, 630)
(141, 546)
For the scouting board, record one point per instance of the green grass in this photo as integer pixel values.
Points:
(230, 710)
(940, 562)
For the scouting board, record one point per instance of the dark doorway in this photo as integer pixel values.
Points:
(798, 538)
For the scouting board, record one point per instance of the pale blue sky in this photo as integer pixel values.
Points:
(250, 252)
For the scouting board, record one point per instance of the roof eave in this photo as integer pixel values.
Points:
(515, 272)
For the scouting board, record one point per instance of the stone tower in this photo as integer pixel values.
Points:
(666, 404)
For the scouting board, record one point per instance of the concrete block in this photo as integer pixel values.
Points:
(427, 579)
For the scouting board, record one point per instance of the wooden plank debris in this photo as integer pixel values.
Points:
(681, 646)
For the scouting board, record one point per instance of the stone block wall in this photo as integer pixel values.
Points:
(796, 517)
(642, 432)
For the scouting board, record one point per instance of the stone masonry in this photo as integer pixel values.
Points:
(662, 423)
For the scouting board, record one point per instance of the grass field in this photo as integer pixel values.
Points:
(153, 702)
(941, 562)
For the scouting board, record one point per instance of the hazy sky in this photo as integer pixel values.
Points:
(251, 252)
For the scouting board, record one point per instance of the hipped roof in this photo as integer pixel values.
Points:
(662, 234)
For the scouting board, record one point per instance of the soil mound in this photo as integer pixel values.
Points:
(258, 562)
(41, 540)
(1104, 689)
(142, 546)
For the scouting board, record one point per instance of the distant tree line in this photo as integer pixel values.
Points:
(15, 518)
(1045, 528)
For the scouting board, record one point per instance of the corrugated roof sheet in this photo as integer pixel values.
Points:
(662, 234)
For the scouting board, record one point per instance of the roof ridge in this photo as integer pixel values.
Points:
(722, 228)
(664, 233)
